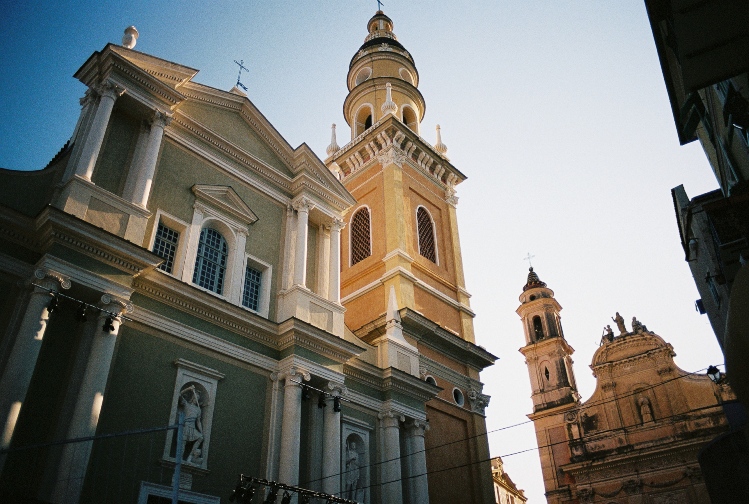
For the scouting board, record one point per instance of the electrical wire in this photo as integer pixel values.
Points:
(462, 440)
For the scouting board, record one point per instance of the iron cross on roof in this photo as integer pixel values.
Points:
(379, 5)
(528, 258)
(239, 76)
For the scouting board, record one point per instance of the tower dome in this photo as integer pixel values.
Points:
(379, 62)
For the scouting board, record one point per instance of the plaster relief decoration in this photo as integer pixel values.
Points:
(355, 463)
(195, 396)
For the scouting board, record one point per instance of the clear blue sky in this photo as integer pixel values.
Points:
(555, 110)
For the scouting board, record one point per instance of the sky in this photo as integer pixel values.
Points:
(555, 110)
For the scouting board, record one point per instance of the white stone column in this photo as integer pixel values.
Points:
(288, 470)
(85, 418)
(16, 377)
(144, 172)
(334, 285)
(236, 282)
(416, 462)
(290, 249)
(302, 206)
(315, 421)
(108, 94)
(390, 457)
(323, 260)
(191, 254)
(331, 461)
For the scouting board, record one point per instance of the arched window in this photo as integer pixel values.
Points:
(361, 243)
(363, 119)
(409, 118)
(210, 265)
(425, 230)
(538, 329)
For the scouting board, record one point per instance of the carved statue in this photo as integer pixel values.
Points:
(193, 430)
(638, 326)
(645, 411)
(620, 323)
(608, 335)
(353, 479)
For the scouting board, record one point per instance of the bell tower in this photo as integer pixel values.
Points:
(382, 79)
(547, 353)
(402, 281)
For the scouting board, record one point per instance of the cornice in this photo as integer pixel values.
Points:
(293, 332)
(55, 226)
(432, 335)
(390, 132)
(191, 335)
(186, 298)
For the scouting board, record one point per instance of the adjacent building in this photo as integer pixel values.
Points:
(703, 48)
(505, 491)
(637, 438)
(179, 259)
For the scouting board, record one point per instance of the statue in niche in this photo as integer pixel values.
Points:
(646, 411)
(192, 432)
(620, 323)
(354, 489)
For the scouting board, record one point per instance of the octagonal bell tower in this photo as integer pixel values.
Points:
(382, 80)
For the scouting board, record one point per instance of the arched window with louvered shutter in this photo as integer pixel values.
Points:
(425, 230)
(361, 236)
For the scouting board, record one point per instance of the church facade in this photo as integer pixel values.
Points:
(637, 438)
(179, 259)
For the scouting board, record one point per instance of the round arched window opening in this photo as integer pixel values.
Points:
(406, 76)
(458, 397)
(430, 379)
(363, 74)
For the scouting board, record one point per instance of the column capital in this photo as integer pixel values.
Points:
(109, 89)
(303, 204)
(336, 389)
(46, 275)
(337, 224)
(478, 401)
(294, 375)
(120, 305)
(391, 418)
(161, 119)
(416, 427)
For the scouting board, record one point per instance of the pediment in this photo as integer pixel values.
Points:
(170, 73)
(310, 171)
(225, 199)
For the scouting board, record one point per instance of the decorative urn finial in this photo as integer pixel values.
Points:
(333, 147)
(439, 146)
(389, 107)
(130, 37)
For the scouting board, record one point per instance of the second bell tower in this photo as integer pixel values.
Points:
(547, 353)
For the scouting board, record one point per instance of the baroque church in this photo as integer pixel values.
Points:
(639, 437)
(303, 321)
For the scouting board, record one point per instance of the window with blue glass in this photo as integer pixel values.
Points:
(210, 266)
(251, 293)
